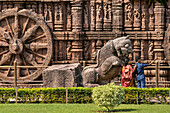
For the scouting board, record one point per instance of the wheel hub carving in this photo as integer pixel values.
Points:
(16, 46)
(26, 38)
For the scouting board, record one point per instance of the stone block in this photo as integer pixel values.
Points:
(65, 75)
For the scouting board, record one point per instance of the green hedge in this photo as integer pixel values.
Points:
(47, 95)
(81, 95)
(146, 95)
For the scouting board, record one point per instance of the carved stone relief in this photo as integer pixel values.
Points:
(137, 15)
(128, 15)
(86, 16)
(7, 5)
(144, 15)
(25, 40)
(99, 16)
(81, 28)
(117, 12)
(48, 12)
(58, 17)
(150, 50)
(93, 55)
(159, 12)
(151, 18)
(86, 50)
(76, 16)
(69, 53)
(68, 16)
(40, 9)
(107, 16)
(93, 15)
(137, 49)
(32, 6)
(142, 49)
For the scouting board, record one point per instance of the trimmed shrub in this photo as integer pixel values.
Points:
(108, 96)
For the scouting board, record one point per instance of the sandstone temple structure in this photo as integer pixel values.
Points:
(48, 32)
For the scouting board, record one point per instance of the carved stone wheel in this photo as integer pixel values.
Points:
(167, 44)
(26, 38)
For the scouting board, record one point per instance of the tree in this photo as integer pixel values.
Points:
(163, 2)
(108, 96)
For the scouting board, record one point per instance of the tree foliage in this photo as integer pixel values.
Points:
(108, 96)
(163, 2)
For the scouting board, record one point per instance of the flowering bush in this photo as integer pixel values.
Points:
(108, 96)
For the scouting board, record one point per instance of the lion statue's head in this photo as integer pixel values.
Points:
(123, 46)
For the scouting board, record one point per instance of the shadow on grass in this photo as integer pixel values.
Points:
(116, 110)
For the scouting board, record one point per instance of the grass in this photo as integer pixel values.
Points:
(81, 108)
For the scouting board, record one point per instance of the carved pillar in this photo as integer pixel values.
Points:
(117, 15)
(77, 15)
(32, 6)
(137, 15)
(86, 16)
(0, 7)
(40, 9)
(93, 15)
(60, 50)
(86, 50)
(58, 16)
(158, 51)
(10, 5)
(142, 49)
(137, 49)
(104, 42)
(48, 14)
(69, 53)
(107, 15)
(68, 17)
(56, 52)
(128, 17)
(99, 44)
(99, 15)
(77, 51)
(151, 18)
(93, 50)
(77, 45)
(159, 11)
(7, 5)
(168, 15)
(150, 50)
(144, 15)
(19, 5)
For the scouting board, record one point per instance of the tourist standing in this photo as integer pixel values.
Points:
(127, 78)
(139, 70)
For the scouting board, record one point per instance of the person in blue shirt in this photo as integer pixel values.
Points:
(139, 70)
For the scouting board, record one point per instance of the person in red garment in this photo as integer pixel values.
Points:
(127, 75)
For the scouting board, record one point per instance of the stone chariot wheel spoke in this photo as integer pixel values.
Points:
(5, 58)
(9, 27)
(4, 52)
(16, 27)
(29, 32)
(25, 25)
(26, 38)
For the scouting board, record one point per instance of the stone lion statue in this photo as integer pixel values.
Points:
(110, 59)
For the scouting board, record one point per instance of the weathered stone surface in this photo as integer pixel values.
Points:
(27, 40)
(66, 75)
(110, 59)
(79, 29)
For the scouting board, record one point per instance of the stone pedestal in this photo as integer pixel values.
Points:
(66, 75)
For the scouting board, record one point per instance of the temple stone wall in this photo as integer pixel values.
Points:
(81, 27)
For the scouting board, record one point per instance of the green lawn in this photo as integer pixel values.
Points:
(80, 108)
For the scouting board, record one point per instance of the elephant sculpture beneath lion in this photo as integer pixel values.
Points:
(110, 59)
